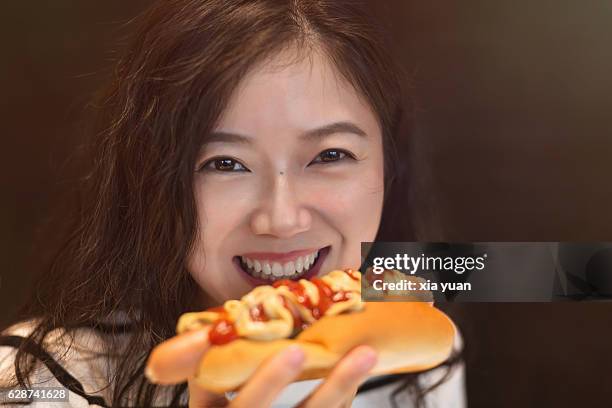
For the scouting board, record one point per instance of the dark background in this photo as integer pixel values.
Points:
(514, 100)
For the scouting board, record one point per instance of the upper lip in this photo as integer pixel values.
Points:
(279, 256)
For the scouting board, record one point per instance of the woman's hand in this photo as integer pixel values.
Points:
(272, 376)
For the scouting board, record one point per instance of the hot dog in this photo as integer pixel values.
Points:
(324, 316)
(281, 310)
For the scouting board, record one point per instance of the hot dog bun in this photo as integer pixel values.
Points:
(408, 336)
(222, 347)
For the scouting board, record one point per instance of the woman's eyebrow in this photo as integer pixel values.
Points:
(336, 127)
(227, 137)
(312, 134)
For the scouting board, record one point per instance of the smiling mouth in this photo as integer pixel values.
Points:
(263, 271)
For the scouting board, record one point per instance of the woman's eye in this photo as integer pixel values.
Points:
(332, 155)
(224, 164)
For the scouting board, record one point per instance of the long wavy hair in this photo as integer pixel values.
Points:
(128, 242)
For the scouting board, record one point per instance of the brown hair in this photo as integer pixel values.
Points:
(136, 223)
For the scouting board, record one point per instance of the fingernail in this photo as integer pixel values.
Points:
(295, 355)
(366, 359)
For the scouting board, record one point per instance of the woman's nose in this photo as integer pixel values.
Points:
(281, 212)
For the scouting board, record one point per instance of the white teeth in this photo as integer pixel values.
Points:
(289, 269)
(299, 264)
(267, 269)
(275, 270)
(309, 261)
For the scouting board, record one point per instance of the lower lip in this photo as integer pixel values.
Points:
(313, 271)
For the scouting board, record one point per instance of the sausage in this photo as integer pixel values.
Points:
(176, 359)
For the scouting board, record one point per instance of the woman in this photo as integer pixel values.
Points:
(240, 140)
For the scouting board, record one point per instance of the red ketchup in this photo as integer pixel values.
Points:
(298, 323)
(258, 314)
(297, 289)
(223, 331)
(327, 296)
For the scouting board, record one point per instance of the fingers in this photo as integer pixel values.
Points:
(341, 385)
(348, 403)
(200, 398)
(176, 359)
(270, 378)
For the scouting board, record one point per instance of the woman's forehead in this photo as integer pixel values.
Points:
(284, 94)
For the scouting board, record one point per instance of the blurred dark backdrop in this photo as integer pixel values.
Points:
(514, 101)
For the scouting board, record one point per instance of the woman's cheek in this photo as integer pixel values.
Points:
(352, 196)
(223, 204)
(352, 205)
(222, 207)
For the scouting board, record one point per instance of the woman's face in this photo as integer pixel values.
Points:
(289, 183)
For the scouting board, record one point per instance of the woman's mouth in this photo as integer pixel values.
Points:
(265, 270)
